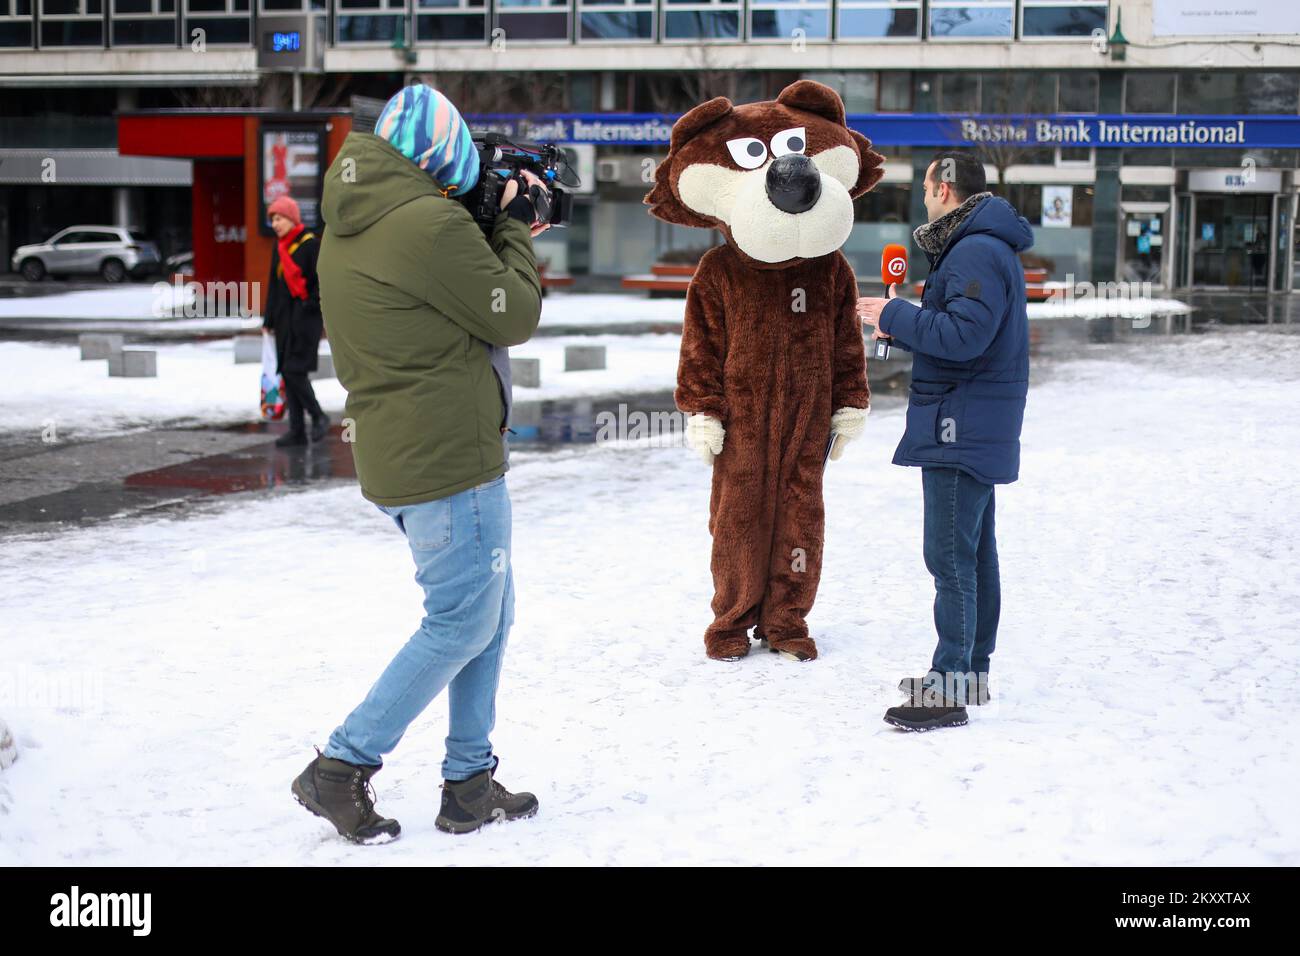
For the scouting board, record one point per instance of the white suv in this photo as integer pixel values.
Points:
(111, 251)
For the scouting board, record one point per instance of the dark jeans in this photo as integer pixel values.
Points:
(962, 554)
(300, 397)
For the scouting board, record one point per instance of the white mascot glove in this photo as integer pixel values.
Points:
(848, 424)
(704, 435)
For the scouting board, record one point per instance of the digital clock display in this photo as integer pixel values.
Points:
(276, 42)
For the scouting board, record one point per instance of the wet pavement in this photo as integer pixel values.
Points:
(128, 475)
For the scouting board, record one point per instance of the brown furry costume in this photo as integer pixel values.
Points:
(772, 344)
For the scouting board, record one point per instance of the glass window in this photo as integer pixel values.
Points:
(789, 19)
(1229, 93)
(1021, 91)
(144, 32)
(701, 20)
(16, 24)
(1147, 157)
(533, 19)
(959, 93)
(971, 18)
(366, 22)
(222, 22)
(873, 19)
(71, 23)
(1046, 18)
(143, 23)
(857, 89)
(367, 29)
(895, 92)
(582, 92)
(450, 21)
(1150, 92)
(1078, 91)
(622, 20)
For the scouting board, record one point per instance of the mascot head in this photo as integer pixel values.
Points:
(778, 178)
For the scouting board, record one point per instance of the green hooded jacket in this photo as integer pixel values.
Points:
(413, 295)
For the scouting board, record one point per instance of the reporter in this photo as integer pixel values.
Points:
(420, 308)
(970, 376)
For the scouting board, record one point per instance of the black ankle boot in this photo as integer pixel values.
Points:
(320, 427)
(341, 793)
(469, 804)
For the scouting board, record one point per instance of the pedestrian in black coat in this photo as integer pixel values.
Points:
(293, 315)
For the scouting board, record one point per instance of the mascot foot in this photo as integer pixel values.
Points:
(726, 647)
(798, 649)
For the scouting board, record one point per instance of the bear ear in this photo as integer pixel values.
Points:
(813, 97)
(662, 200)
(871, 165)
(691, 123)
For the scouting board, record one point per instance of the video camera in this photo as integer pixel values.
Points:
(500, 160)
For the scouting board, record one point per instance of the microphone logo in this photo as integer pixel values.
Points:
(896, 267)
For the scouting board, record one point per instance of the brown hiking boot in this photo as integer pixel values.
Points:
(469, 804)
(341, 793)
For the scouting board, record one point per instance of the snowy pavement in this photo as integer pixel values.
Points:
(166, 678)
(44, 385)
(48, 384)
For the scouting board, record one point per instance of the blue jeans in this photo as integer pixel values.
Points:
(461, 546)
(962, 555)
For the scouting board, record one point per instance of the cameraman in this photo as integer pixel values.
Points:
(420, 308)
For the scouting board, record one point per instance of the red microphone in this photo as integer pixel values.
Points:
(893, 264)
(893, 268)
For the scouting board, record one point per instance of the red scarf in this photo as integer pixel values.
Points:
(289, 269)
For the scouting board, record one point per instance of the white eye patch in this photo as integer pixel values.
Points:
(747, 152)
(789, 141)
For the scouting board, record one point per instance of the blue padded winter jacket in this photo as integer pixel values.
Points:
(970, 345)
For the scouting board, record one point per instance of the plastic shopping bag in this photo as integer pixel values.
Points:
(272, 382)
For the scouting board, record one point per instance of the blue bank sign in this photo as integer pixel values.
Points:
(935, 129)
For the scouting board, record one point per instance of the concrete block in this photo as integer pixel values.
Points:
(97, 345)
(248, 349)
(526, 372)
(584, 358)
(133, 363)
(324, 366)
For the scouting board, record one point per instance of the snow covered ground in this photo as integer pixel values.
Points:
(167, 677)
(149, 303)
(142, 301)
(199, 382)
(196, 383)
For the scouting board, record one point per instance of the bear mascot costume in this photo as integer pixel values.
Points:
(772, 358)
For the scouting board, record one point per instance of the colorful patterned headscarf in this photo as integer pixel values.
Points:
(427, 129)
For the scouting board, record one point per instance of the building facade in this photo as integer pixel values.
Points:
(1145, 140)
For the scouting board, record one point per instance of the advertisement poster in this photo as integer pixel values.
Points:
(292, 164)
(1058, 206)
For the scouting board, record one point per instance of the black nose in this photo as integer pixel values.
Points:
(793, 183)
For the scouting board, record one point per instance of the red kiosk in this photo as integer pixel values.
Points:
(243, 158)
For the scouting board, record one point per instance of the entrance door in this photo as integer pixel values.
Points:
(1186, 224)
(1283, 215)
(1231, 240)
(218, 220)
(1144, 243)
